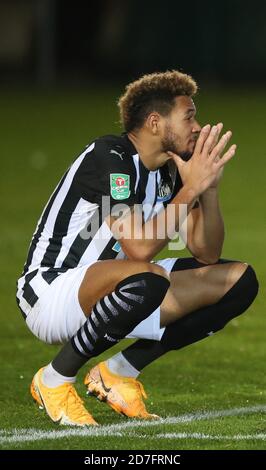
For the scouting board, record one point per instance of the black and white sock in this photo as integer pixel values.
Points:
(112, 318)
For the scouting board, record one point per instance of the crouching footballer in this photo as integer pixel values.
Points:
(90, 280)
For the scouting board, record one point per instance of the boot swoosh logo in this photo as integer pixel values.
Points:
(106, 389)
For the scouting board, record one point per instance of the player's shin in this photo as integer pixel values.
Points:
(112, 318)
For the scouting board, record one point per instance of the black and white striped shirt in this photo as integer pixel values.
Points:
(71, 231)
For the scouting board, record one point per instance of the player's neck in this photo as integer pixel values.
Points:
(149, 152)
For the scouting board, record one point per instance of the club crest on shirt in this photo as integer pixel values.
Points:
(119, 186)
(164, 192)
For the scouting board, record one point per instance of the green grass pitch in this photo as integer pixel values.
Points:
(211, 395)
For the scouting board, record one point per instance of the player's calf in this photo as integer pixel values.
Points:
(114, 316)
(111, 319)
(208, 320)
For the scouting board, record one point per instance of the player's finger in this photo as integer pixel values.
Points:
(201, 139)
(227, 156)
(220, 126)
(209, 142)
(218, 149)
(219, 129)
(178, 160)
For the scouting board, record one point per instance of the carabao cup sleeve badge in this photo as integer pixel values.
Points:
(119, 185)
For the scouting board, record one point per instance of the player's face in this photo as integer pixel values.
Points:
(181, 129)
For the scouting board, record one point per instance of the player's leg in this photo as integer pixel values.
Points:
(102, 277)
(203, 321)
(200, 301)
(135, 291)
(192, 289)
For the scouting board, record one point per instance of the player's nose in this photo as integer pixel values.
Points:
(196, 127)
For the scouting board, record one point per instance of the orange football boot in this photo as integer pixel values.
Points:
(61, 403)
(123, 394)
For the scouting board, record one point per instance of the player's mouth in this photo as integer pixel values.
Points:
(193, 142)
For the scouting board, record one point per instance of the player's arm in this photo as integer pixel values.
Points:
(205, 234)
(198, 174)
(109, 181)
(205, 228)
(141, 241)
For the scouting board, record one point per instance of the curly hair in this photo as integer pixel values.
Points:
(153, 92)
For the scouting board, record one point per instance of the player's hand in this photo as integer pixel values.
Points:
(205, 167)
(220, 173)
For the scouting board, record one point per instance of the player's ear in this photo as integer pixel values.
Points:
(153, 123)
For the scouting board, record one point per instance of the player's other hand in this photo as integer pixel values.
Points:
(205, 167)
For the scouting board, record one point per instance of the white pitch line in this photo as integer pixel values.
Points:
(31, 434)
(199, 435)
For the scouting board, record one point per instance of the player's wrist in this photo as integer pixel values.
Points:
(211, 192)
(189, 194)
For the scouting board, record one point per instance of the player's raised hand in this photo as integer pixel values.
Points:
(219, 130)
(205, 167)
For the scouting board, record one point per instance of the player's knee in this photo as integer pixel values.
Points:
(238, 270)
(251, 284)
(247, 283)
(143, 267)
(159, 270)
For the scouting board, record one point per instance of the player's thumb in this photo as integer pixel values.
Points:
(178, 160)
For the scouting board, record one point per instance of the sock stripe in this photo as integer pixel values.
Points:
(95, 315)
(91, 331)
(83, 342)
(94, 319)
(110, 306)
(130, 285)
(116, 305)
(77, 347)
(99, 309)
(121, 303)
(124, 299)
(88, 346)
(86, 334)
(135, 297)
